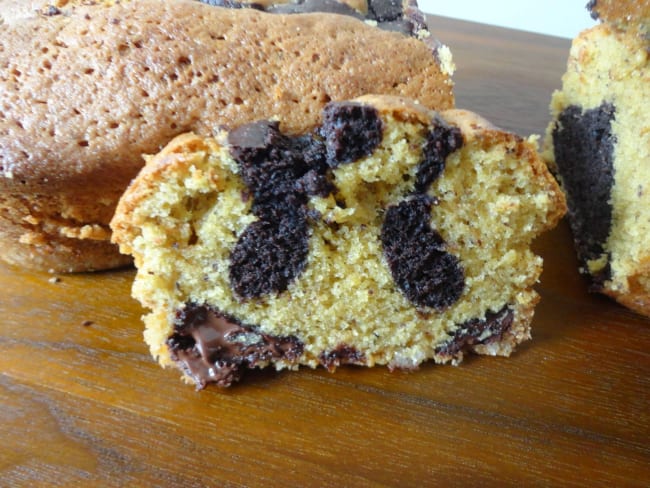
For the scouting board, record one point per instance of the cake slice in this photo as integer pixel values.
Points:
(598, 145)
(389, 234)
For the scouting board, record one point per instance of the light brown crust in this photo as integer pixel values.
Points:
(176, 157)
(140, 73)
(621, 12)
(636, 297)
(402, 108)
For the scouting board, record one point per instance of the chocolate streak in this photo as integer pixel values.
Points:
(584, 154)
(351, 131)
(477, 331)
(343, 354)
(211, 347)
(281, 172)
(416, 253)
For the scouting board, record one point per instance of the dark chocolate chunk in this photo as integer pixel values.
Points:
(351, 131)
(477, 331)
(272, 163)
(280, 171)
(385, 10)
(584, 146)
(211, 347)
(441, 141)
(427, 274)
(270, 253)
(343, 354)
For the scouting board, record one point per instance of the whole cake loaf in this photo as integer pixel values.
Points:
(87, 87)
(388, 234)
(599, 147)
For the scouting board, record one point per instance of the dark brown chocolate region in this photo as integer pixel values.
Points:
(389, 14)
(350, 131)
(342, 355)
(279, 172)
(584, 148)
(211, 347)
(426, 273)
(282, 171)
(477, 331)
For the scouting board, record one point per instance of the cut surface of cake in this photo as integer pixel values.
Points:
(87, 87)
(598, 145)
(389, 234)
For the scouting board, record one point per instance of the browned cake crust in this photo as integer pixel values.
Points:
(86, 89)
(621, 11)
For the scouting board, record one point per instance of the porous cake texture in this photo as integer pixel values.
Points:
(87, 87)
(598, 145)
(388, 234)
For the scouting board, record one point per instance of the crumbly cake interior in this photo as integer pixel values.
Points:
(609, 67)
(489, 200)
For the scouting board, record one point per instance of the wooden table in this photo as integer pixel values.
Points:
(82, 403)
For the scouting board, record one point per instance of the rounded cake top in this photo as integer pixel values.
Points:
(88, 88)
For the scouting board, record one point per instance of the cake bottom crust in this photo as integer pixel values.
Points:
(58, 234)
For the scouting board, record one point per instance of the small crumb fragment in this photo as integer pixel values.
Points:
(87, 323)
(54, 279)
(50, 11)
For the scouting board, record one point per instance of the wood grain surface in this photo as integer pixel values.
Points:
(83, 404)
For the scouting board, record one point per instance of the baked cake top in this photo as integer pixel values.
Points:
(86, 88)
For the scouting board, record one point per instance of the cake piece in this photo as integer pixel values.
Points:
(598, 145)
(87, 87)
(387, 235)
